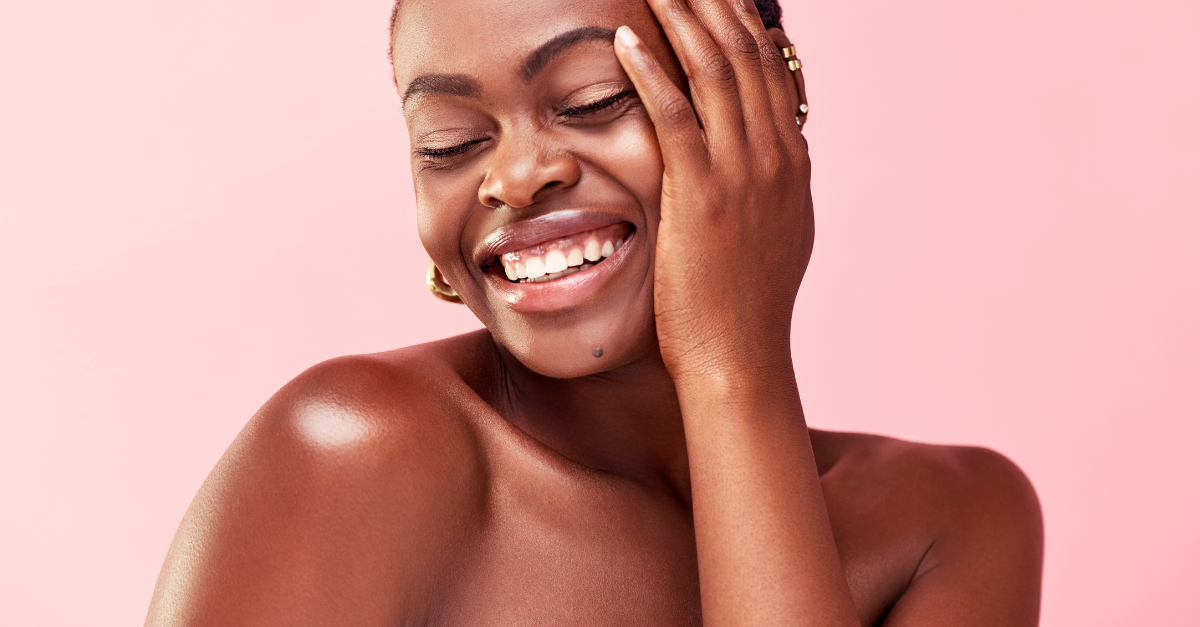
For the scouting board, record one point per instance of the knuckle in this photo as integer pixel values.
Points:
(674, 108)
(744, 45)
(675, 8)
(773, 163)
(717, 67)
(769, 53)
(745, 8)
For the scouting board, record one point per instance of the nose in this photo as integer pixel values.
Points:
(525, 170)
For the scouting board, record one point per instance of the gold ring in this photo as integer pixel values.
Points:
(789, 55)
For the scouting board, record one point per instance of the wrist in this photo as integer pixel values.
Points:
(736, 381)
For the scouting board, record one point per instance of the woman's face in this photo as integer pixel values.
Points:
(530, 148)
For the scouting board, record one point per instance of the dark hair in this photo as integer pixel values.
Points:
(771, 13)
(769, 10)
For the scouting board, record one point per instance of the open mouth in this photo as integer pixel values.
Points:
(564, 256)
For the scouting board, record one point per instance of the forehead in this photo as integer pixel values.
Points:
(484, 37)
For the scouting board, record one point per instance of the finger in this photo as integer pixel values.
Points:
(729, 33)
(774, 68)
(746, 54)
(802, 114)
(795, 96)
(710, 75)
(679, 136)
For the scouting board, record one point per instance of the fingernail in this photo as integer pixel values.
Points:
(626, 37)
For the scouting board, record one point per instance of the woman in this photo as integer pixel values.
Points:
(620, 192)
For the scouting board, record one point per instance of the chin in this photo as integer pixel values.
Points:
(594, 292)
(566, 349)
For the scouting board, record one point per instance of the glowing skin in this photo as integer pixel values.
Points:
(624, 444)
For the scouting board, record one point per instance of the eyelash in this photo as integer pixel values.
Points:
(580, 111)
(434, 153)
(598, 106)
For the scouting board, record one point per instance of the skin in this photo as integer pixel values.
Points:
(510, 476)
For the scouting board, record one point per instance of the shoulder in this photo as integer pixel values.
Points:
(346, 490)
(402, 409)
(967, 517)
(957, 480)
(403, 421)
(362, 402)
(379, 404)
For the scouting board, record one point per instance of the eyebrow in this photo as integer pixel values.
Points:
(449, 84)
(535, 62)
(545, 53)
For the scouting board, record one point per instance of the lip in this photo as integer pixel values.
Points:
(564, 292)
(545, 227)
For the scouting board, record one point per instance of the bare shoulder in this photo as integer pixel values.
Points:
(390, 419)
(967, 520)
(338, 500)
(407, 401)
(964, 476)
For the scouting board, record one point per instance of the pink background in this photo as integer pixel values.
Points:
(199, 200)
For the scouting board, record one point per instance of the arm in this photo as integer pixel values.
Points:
(767, 555)
(734, 241)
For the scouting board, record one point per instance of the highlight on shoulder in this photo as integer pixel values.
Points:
(350, 485)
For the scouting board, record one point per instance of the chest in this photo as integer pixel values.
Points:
(614, 555)
(589, 554)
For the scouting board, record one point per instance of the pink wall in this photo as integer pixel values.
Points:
(199, 200)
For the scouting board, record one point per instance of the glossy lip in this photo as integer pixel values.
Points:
(542, 228)
(561, 293)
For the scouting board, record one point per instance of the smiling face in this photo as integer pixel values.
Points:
(537, 172)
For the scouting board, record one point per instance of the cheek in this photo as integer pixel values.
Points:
(634, 159)
(444, 201)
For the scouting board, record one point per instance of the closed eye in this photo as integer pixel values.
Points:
(597, 106)
(448, 151)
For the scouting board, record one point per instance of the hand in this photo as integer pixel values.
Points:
(737, 225)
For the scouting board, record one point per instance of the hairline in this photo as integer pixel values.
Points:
(772, 17)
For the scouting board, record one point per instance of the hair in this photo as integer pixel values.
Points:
(769, 10)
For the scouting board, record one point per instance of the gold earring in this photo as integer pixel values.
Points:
(438, 285)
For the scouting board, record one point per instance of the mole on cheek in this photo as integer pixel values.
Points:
(599, 352)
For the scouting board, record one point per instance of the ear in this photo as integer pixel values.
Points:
(781, 41)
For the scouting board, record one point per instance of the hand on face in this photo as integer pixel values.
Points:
(500, 156)
(736, 228)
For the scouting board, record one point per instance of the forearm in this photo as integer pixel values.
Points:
(736, 197)
(766, 550)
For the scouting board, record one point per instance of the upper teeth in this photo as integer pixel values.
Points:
(591, 251)
(557, 260)
(536, 267)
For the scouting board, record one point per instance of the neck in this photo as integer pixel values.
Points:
(625, 421)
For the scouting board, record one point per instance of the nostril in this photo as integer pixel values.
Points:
(521, 178)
